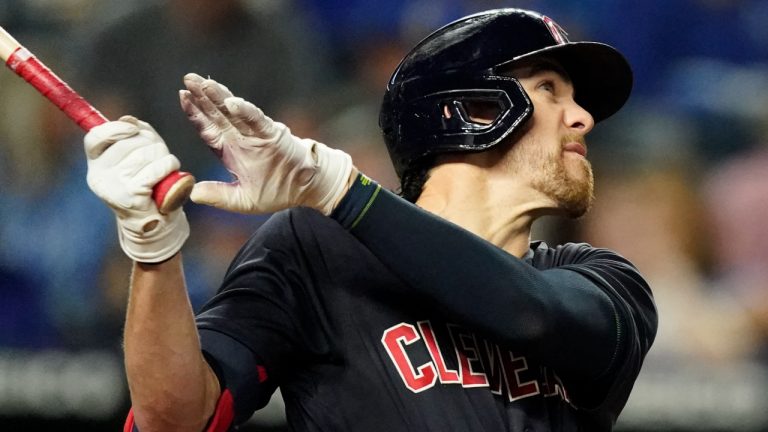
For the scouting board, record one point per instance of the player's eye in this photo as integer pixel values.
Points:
(547, 85)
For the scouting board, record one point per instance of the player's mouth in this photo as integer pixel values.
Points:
(575, 147)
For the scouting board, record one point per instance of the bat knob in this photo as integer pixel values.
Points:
(172, 191)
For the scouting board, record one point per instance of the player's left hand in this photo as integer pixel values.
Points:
(126, 158)
(273, 169)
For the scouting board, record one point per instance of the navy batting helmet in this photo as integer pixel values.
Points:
(461, 61)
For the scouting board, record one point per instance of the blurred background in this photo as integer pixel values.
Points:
(681, 186)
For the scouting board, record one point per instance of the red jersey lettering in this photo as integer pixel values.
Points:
(468, 354)
(512, 367)
(447, 376)
(416, 379)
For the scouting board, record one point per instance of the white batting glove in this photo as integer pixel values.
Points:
(273, 169)
(125, 159)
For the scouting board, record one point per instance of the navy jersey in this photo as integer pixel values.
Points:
(411, 342)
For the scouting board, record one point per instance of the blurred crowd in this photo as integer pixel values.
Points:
(679, 171)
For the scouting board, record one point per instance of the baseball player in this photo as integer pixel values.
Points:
(373, 313)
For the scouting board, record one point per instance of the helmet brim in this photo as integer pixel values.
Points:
(601, 76)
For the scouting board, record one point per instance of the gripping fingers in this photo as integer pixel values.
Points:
(102, 136)
(142, 125)
(117, 198)
(157, 170)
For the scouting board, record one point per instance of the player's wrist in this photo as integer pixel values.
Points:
(355, 203)
(332, 180)
(158, 244)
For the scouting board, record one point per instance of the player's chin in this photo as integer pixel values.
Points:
(577, 165)
(575, 206)
(577, 210)
(578, 198)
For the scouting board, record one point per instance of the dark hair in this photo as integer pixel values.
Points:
(413, 179)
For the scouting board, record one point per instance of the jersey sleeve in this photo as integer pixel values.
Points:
(251, 331)
(636, 324)
(584, 317)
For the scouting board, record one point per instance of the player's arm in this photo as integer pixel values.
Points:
(588, 319)
(254, 329)
(475, 283)
(172, 387)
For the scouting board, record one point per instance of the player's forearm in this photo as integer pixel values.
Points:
(172, 387)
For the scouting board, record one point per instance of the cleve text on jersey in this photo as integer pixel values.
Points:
(461, 357)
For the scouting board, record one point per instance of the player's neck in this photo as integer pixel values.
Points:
(500, 212)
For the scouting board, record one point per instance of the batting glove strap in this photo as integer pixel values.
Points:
(333, 168)
(153, 239)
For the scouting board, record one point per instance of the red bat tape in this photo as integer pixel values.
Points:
(52, 87)
(168, 194)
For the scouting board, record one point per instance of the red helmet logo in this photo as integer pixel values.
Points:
(557, 32)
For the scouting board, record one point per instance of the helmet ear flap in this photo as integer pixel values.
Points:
(432, 116)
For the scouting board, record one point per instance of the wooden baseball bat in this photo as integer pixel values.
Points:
(169, 194)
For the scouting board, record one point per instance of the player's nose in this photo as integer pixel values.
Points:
(578, 119)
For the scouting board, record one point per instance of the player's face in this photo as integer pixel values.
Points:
(551, 153)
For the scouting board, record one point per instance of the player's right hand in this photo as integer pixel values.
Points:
(273, 169)
(126, 159)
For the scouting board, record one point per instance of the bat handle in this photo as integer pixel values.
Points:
(169, 193)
